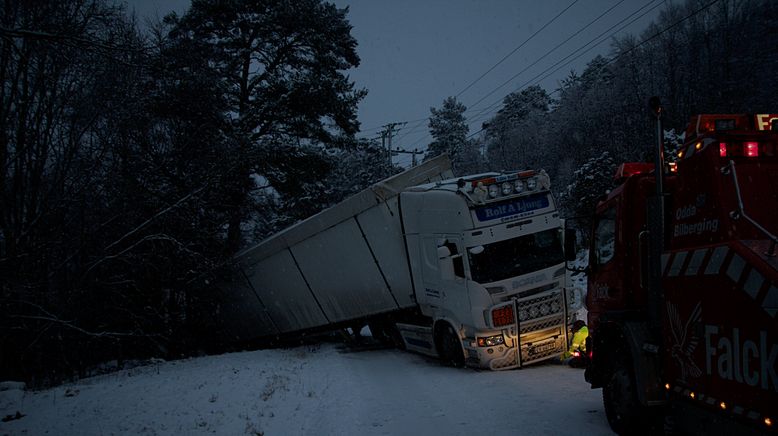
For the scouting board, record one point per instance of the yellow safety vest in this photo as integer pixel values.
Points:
(578, 344)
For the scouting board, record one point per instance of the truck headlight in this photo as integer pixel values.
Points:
(491, 341)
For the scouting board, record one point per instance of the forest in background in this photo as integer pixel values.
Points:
(699, 56)
(135, 163)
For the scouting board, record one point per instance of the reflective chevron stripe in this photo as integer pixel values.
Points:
(707, 261)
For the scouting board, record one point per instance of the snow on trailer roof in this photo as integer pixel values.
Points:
(438, 168)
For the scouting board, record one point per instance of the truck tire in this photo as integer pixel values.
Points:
(449, 347)
(619, 397)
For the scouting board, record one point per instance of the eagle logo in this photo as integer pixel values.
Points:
(685, 340)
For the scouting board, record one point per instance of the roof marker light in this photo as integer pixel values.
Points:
(751, 149)
(493, 191)
(698, 146)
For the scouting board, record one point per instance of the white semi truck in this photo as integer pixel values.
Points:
(469, 269)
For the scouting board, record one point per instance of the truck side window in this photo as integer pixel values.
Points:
(459, 265)
(605, 237)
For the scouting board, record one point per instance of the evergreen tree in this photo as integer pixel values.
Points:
(283, 67)
(448, 128)
(516, 134)
(590, 182)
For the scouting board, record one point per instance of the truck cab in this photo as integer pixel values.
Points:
(487, 262)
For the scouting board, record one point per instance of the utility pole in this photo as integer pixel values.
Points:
(412, 153)
(386, 137)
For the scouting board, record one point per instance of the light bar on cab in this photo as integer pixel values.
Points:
(505, 185)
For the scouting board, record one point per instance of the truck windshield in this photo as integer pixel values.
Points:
(517, 256)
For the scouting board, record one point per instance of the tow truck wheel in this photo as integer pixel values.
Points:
(449, 347)
(621, 403)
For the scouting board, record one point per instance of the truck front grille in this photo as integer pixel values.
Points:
(542, 312)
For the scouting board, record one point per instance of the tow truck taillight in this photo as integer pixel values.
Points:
(502, 316)
(751, 149)
(747, 149)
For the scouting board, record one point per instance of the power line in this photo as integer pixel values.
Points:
(415, 127)
(489, 109)
(517, 48)
(548, 53)
(645, 41)
(479, 116)
(377, 128)
(420, 122)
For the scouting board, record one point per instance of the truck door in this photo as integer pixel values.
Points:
(606, 262)
(444, 274)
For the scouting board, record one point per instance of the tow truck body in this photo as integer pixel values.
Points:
(694, 344)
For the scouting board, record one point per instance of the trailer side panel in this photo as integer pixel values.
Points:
(383, 231)
(284, 291)
(339, 267)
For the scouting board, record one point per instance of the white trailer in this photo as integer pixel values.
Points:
(469, 269)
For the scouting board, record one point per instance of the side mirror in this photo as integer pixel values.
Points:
(443, 252)
(570, 245)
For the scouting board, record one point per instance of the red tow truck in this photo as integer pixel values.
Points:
(683, 285)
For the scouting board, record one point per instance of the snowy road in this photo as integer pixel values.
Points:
(313, 391)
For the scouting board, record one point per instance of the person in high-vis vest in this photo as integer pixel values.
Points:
(575, 355)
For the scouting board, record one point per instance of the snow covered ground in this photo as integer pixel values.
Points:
(312, 390)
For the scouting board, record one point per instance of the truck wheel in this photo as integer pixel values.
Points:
(449, 347)
(621, 403)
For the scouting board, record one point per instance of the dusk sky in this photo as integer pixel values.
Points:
(414, 54)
